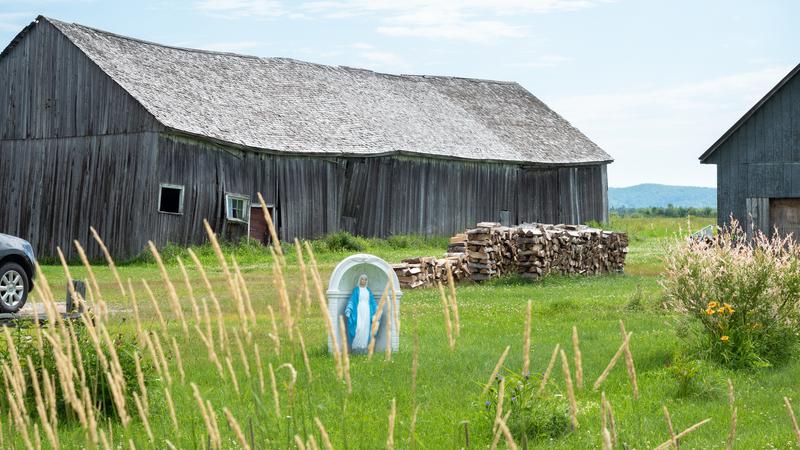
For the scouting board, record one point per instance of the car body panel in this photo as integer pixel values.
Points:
(19, 249)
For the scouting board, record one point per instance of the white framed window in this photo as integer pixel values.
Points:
(237, 208)
(170, 198)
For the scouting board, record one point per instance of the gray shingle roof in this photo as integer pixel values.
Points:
(285, 105)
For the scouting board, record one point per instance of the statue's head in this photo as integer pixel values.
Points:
(362, 280)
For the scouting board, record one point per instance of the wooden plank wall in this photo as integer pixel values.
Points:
(50, 89)
(56, 188)
(379, 196)
(73, 145)
(762, 158)
(112, 182)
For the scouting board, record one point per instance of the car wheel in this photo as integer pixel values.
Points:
(14, 286)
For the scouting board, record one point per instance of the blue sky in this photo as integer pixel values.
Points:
(652, 82)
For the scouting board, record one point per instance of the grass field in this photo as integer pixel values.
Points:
(449, 382)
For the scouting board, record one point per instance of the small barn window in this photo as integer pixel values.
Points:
(237, 207)
(170, 199)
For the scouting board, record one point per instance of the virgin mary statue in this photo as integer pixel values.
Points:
(359, 313)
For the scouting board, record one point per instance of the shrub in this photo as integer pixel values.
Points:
(342, 241)
(532, 416)
(404, 241)
(245, 249)
(96, 379)
(694, 378)
(636, 300)
(743, 293)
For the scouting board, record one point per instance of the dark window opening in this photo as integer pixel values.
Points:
(170, 200)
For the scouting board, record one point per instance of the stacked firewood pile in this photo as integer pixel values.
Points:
(426, 271)
(568, 250)
(491, 250)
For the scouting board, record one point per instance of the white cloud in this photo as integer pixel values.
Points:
(541, 62)
(656, 135)
(466, 20)
(464, 30)
(498, 6)
(240, 9)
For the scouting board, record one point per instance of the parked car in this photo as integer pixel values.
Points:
(17, 270)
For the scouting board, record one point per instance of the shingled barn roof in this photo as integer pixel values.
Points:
(285, 105)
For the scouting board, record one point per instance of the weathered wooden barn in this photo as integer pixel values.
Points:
(143, 141)
(758, 163)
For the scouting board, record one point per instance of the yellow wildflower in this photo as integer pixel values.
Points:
(729, 308)
(724, 339)
(713, 304)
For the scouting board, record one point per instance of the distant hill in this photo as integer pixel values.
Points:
(661, 195)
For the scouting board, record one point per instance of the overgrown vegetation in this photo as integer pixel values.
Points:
(694, 377)
(330, 247)
(744, 294)
(432, 412)
(533, 415)
(37, 353)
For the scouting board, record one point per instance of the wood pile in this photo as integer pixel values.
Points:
(568, 250)
(492, 250)
(426, 271)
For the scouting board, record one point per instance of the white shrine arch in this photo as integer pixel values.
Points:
(345, 277)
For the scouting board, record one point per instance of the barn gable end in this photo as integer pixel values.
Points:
(51, 89)
(758, 159)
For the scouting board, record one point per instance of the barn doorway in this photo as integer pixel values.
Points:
(258, 224)
(784, 214)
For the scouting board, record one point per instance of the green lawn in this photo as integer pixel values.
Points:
(449, 382)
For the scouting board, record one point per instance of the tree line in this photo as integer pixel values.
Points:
(667, 211)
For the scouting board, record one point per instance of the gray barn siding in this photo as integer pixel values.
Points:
(57, 188)
(761, 159)
(51, 89)
(377, 196)
(112, 183)
(73, 144)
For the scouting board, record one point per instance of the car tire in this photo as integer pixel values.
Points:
(14, 287)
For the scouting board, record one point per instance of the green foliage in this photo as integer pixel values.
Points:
(694, 378)
(244, 250)
(96, 380)
(745, 295)
(343, 241)
(340, 242)
(411, 241)
(492, 316)
(636, 300)
(595, 224)
(668, 211)
(537, 417)
(247, 251)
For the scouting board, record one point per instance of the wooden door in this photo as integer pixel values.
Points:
(258, 225)
(784, 213)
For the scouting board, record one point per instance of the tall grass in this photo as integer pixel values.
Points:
(288, 409)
